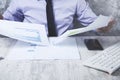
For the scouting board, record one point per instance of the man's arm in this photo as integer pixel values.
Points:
(84, 13)
(1, 17)
(108, 27)
(14, 12)
(86, 16)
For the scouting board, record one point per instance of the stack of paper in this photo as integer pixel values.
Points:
(36, 34)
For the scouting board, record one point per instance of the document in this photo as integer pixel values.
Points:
(100, 22)
(27, 32)
(24, 51)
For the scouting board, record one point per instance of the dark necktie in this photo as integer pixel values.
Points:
(50, 19)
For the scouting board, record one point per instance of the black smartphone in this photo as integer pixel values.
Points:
(93, 44)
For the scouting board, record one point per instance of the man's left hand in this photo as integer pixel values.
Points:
(108, 27)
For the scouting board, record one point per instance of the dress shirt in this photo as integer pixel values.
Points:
(34, 11)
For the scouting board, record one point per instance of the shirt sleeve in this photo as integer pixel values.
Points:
(84, 13)
(13, 12)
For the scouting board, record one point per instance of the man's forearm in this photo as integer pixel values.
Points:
(1, 17)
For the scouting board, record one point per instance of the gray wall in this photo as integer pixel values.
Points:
(105, 7)
(3, 5)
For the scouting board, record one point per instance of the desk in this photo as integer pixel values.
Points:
(55, 69)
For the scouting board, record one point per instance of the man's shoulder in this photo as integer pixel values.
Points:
(21, 1)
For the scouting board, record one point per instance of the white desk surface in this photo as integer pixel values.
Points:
(55, 69)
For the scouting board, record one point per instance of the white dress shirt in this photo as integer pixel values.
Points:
(34, 11)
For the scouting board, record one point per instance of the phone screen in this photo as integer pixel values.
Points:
(93, 44)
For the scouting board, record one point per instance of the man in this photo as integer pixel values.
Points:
(34, 11)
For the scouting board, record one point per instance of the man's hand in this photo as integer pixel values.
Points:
(108, 27)
(1, 17)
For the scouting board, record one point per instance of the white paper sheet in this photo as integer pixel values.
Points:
(65, 50)
(100, 22)
(27, 32)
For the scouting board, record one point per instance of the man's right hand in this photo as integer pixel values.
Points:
(1, 17)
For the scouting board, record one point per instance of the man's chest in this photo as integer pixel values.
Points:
(37, 10)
